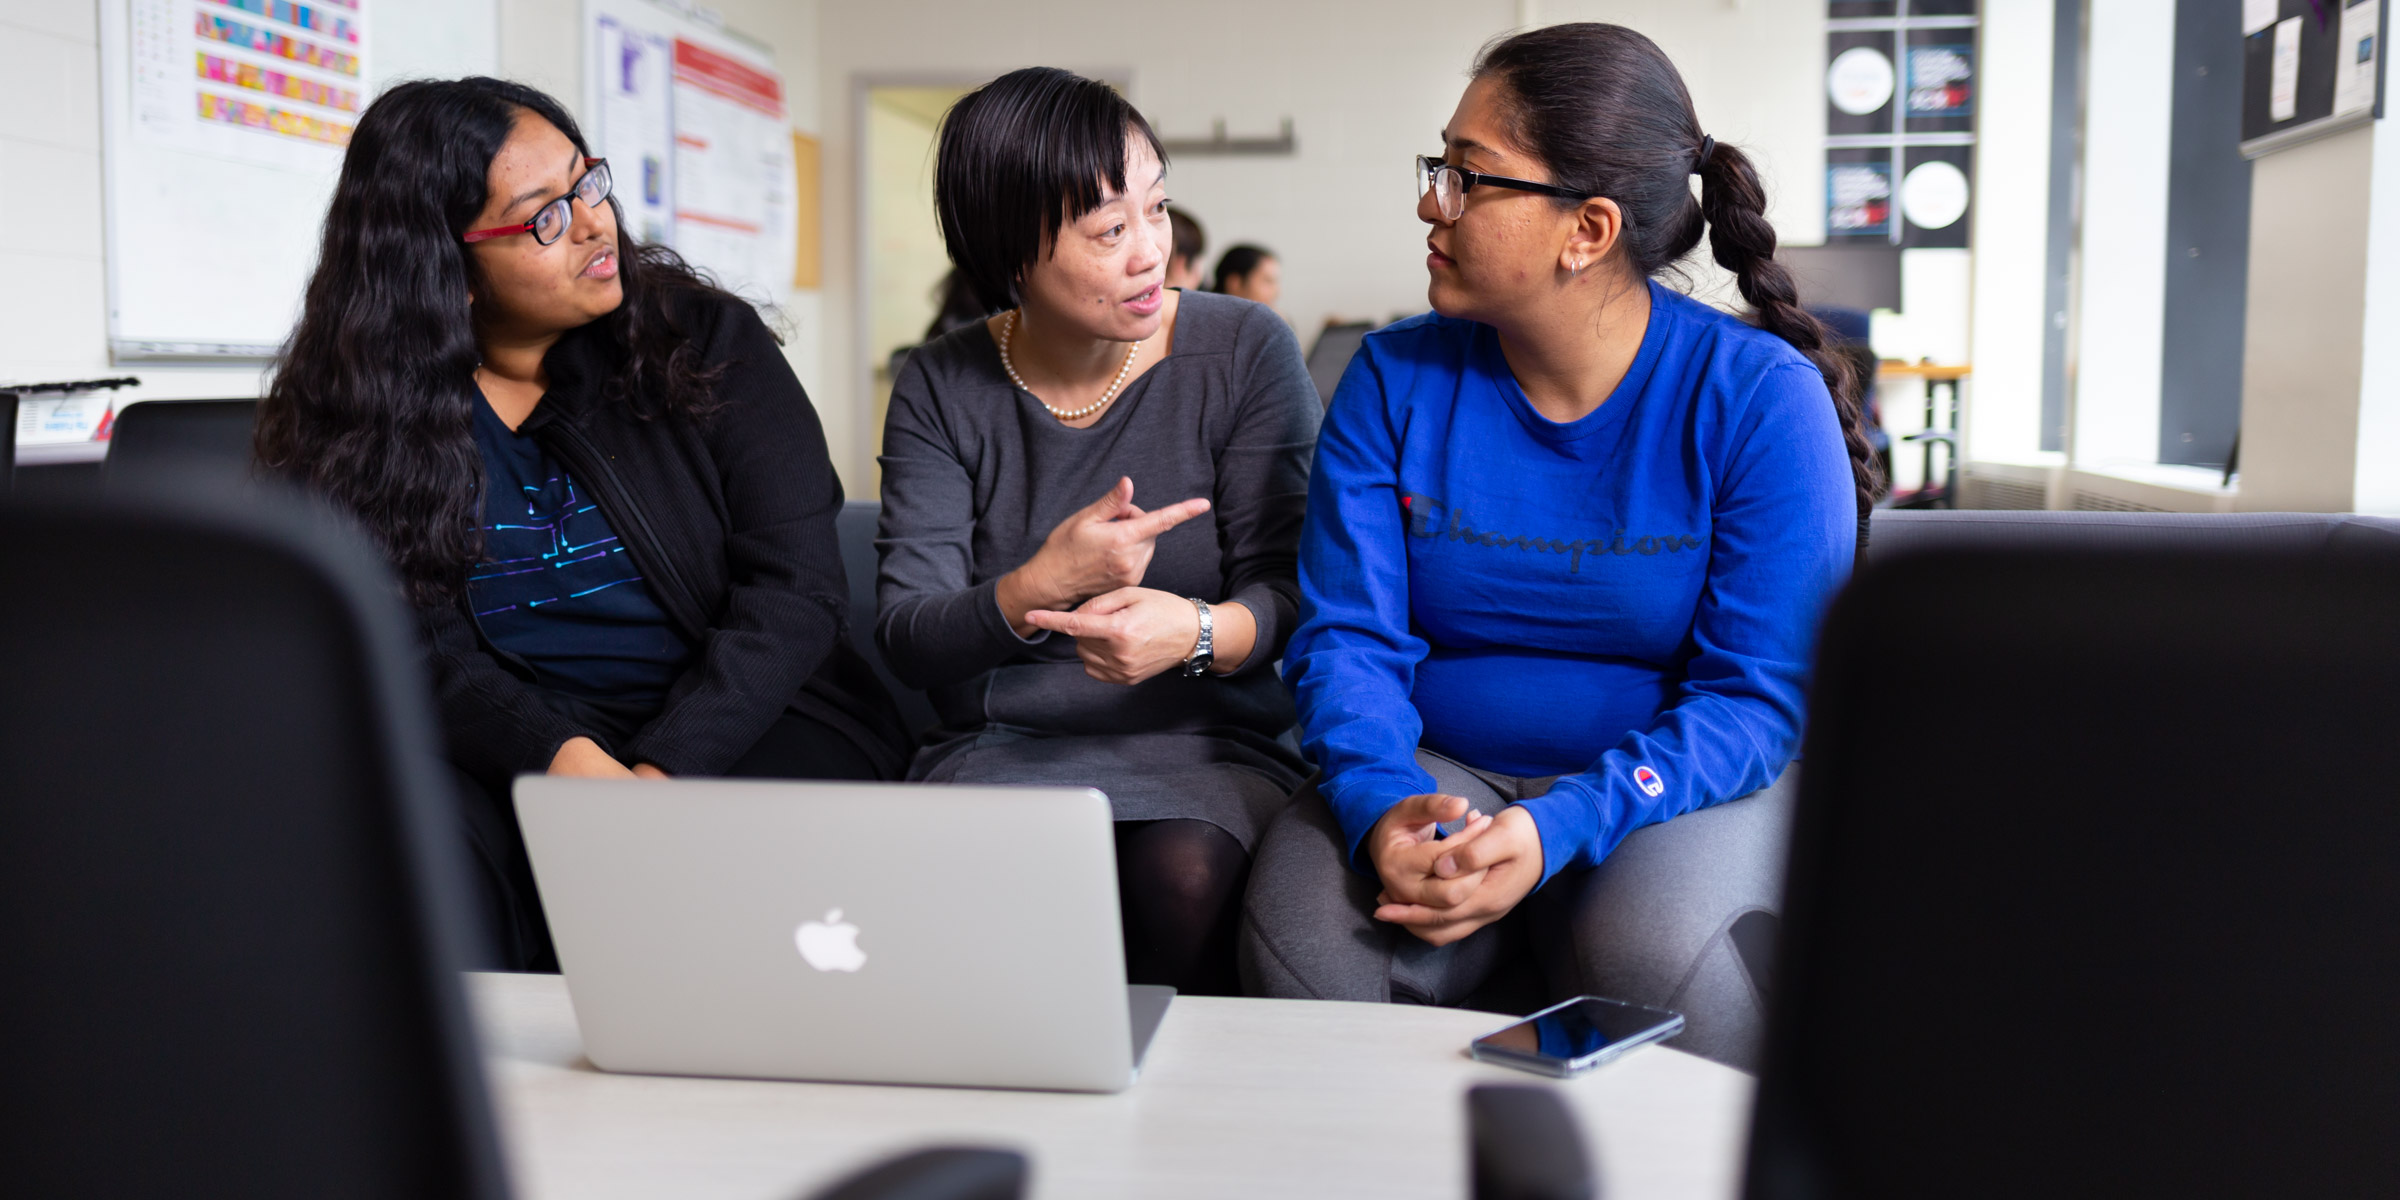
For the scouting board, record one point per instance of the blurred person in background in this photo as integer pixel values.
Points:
(955, 306)
(1252, 273)
(1091, 512)
(1183, 260)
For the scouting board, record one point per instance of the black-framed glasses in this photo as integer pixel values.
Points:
(552, 221)
(1450, 185)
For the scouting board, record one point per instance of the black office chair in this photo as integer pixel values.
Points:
(2117, 918)
(937, 1173)
(186, 439)
(1330, 354)
(8, 443)
(1523, 1144)
(855, 526)
(226, 885)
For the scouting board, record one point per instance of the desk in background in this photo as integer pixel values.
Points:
(1936, 377)
(1248, 1098)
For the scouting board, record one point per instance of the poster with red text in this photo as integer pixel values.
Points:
(733, 170)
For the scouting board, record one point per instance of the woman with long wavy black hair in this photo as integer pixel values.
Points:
(1568, 539)
(606, 494)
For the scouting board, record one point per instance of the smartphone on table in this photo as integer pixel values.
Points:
(1575, 1036)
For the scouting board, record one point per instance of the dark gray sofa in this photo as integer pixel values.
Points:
(1898, 532)
(1892, 532)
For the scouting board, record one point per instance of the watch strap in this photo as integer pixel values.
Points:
(1204, 651)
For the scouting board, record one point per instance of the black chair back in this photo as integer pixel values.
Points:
(226, 886)
(8, 443)
(2116, 918)
(193, 439)
(1330, 354)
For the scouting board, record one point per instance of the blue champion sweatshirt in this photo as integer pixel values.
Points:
(1627, 601)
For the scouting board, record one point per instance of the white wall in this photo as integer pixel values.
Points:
(1368, 83)
(1756, 71)
(2377, 457)
(2011, 234)
(2120, 337)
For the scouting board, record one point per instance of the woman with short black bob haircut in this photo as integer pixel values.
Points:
(602, 488)
(1568, 539)
(1091, 504)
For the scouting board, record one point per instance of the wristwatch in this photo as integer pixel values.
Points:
(1204, 651)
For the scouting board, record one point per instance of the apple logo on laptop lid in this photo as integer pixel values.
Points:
(830, 944)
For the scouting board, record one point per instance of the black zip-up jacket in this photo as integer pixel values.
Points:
(730, 517)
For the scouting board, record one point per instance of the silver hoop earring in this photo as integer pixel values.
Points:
(1576, 271)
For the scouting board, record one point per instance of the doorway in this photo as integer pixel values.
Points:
(902, 262)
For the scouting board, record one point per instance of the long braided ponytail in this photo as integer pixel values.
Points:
(1605, 110)
(1742, 242)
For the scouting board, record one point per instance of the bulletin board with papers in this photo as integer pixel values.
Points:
(223, 126)
(2309, 68)
(692, 118)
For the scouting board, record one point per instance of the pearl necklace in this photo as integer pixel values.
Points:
(1008, 333)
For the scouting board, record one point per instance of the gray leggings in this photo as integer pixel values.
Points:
(1666, 920)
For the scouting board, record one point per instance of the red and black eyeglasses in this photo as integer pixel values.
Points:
(552, 221)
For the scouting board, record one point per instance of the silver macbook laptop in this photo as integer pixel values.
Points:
(875, 933)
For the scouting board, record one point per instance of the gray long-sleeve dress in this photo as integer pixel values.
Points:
(976, 474)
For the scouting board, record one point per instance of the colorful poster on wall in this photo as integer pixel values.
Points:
(733, 170)
(1858, 199)
(266, 82)
(1941, 81)
(635, 125)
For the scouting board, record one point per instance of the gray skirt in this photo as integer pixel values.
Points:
(1235, 780)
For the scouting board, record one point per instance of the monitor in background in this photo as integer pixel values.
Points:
(1330, 356)
(1859, 277)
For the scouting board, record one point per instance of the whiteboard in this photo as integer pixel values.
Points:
(223, 123)
(694, 123)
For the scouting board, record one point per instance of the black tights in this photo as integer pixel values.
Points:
(1179, 886)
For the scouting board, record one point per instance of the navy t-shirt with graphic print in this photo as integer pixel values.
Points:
(556, 587)
(1627, 601)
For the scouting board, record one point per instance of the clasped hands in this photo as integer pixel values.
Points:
(1442, 889)
(1093, 564)
(582, 757)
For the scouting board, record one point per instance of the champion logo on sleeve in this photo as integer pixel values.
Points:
(1648, 780)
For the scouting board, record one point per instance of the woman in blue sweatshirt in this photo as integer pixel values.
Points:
(1568, 540)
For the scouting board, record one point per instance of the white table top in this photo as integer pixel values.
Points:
(1238, 1098)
